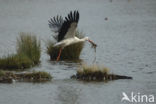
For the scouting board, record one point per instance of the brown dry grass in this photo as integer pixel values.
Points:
(96, 73)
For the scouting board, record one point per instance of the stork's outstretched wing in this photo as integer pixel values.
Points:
(69, 25)
(64, 28)
(55, 24)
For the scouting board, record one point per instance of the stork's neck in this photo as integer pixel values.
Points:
(83, 39)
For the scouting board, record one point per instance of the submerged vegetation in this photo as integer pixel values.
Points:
(28, 53)
(34, 76)
(71, 52)
(96, 73)
(40, 76)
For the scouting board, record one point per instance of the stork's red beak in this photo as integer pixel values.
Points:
(93, 44)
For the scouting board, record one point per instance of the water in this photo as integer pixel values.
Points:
(126, 45)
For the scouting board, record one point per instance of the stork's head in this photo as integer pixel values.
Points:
(86, 39)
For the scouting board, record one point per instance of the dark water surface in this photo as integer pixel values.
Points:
(126, 45)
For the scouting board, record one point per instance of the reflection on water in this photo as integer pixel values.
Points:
(126, 44)
(67, 94)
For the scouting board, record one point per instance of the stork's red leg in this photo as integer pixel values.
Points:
(58, 57)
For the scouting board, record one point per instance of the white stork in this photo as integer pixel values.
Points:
(65, 30)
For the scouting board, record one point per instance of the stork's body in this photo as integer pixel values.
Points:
(70, 41)
(65, 30)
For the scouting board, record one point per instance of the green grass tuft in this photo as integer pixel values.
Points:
(71, 52)
(28, 44)
(13, 62)
(2, 73)
(28, 53)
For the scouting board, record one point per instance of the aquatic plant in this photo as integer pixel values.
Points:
(35, 76)
(28, 44)
(96, 73)
(71, 52)
(2, 73)
(14, 62)
(6, 77)
(28, 53)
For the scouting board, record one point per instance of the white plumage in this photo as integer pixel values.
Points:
(65, 30)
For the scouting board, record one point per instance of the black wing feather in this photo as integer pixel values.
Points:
(72, 17)
(55, 23)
